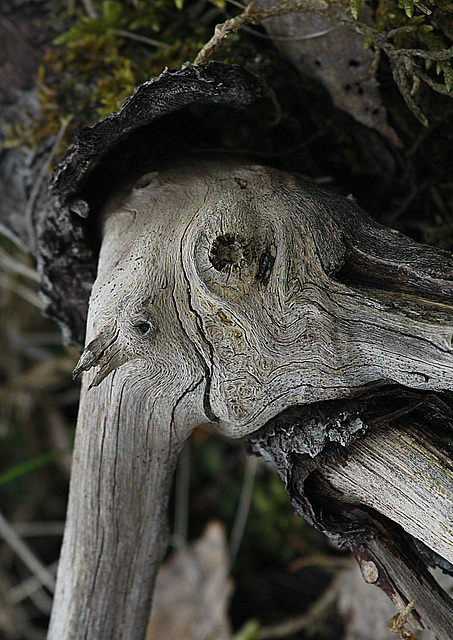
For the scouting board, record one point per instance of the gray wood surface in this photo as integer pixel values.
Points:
(227, 293)
(405, 476)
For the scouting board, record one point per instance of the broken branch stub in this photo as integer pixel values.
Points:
(375, 474)
(226, 292)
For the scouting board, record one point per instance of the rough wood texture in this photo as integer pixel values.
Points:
(364, 486)
(129, 431)
(229, 292)
(405, 474)
(282, 326)
(164, 118)
(390, 562)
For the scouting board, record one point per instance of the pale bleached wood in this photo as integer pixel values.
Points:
(298, 335)
(406, 474)
(406, 477)
(130, 429)
(218, 299)
(115, 536)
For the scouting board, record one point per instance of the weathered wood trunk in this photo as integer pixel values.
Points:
(130, 429)
(124, 457)
(230, 293)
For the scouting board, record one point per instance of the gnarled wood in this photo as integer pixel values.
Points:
(227, 292)
(270, 259)
(130, 429)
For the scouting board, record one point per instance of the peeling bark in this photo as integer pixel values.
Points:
(368, 472)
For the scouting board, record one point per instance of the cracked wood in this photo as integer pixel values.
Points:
(226, 293)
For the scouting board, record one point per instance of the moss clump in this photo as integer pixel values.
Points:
(96, 62)
(417, 41)
(428, 27)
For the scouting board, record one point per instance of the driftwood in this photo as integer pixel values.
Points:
(237, 294)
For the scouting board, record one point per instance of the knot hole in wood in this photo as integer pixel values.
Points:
(231, 252)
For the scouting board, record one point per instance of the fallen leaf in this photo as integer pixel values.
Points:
(192, 592)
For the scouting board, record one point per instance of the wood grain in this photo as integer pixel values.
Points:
(406, 475)
(227, 293)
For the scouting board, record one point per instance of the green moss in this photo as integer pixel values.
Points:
(424, 26)
(95, 63)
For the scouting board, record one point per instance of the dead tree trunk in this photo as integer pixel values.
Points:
(237, 294)
(131, 426)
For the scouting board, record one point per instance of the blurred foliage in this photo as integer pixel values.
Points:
(274, 536)
(97, 61)
(23, 468)
(38, 405)
(218, 468)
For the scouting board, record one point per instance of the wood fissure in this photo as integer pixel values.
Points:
(218, 300)
(124, 461)
(366, 479)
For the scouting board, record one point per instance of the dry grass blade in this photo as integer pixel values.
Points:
(22, 291)
(138, 38)
(26, 554)
(243, 509)
(254, 15)
(89, 8)
(28, 587)
(306, 622)
(13, 265)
